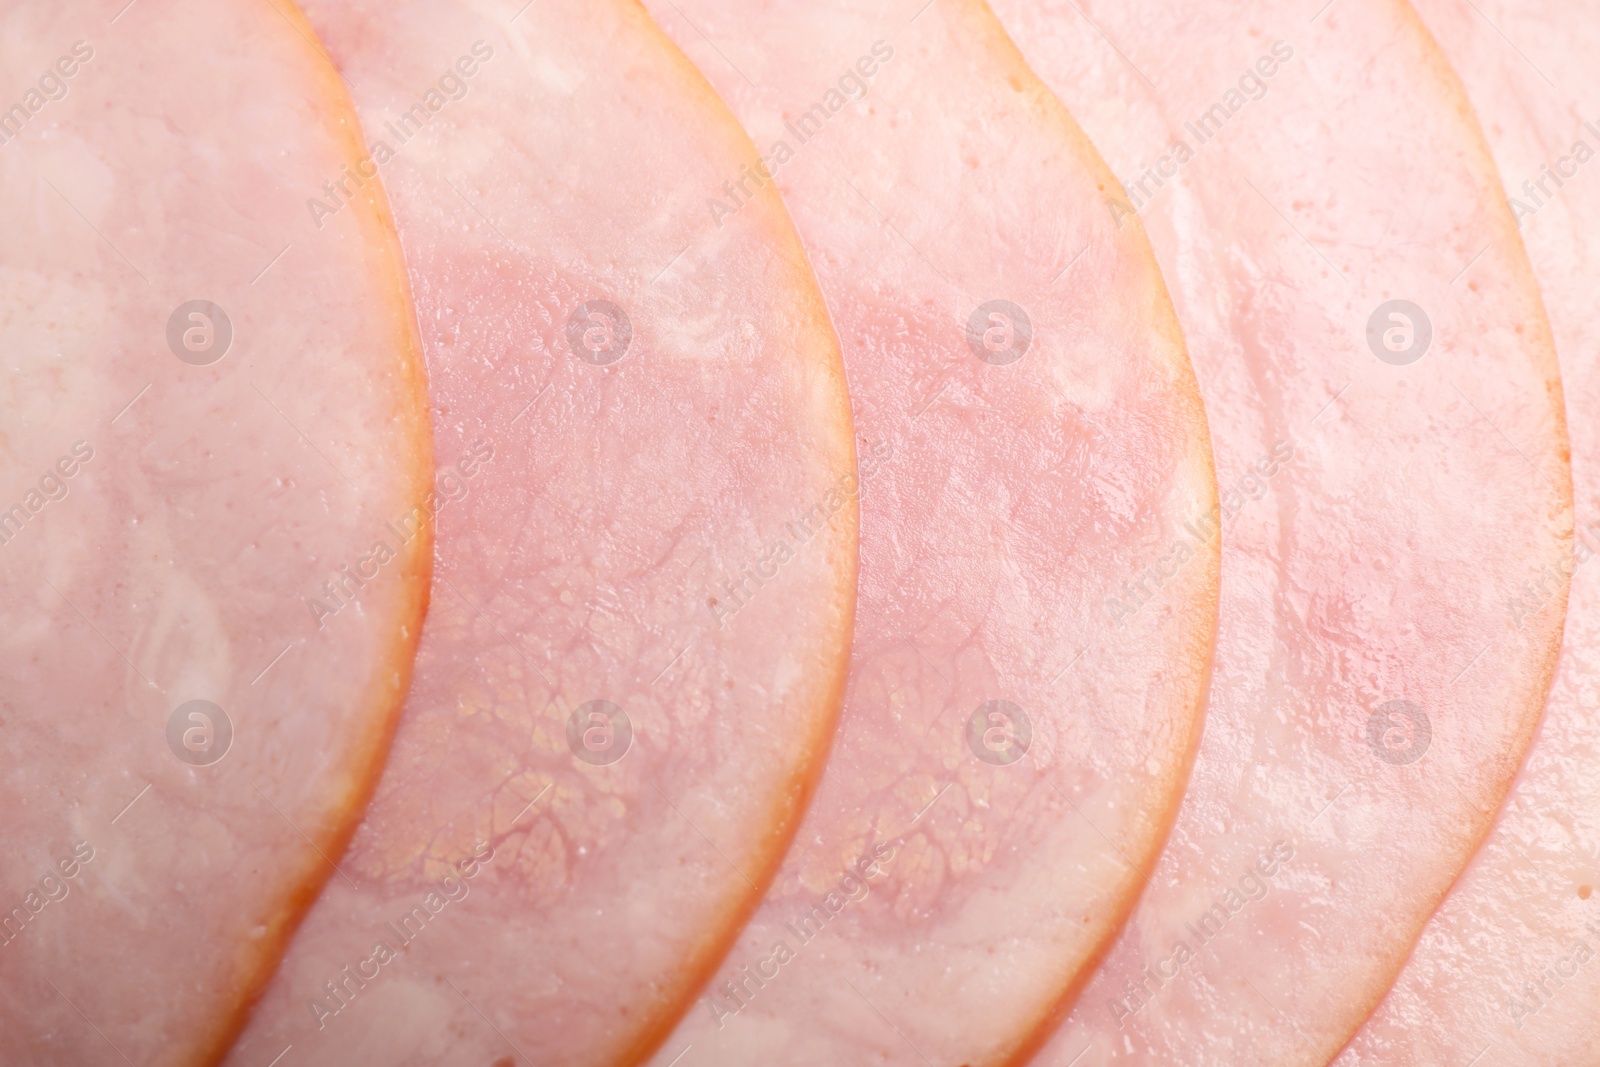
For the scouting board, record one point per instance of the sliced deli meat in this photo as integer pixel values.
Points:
(211, 409)
(1354, 291)
(645, 581)
(1038, 541)
(1506, 969)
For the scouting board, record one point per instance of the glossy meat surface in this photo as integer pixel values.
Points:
(213, 412)
(1300, 172)
(1505, 970)
(1038, 559)
(645, 584)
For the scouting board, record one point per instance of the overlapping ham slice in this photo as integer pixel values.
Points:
(1038, 544)
(1300, 172)
(1505, 972)
(645, 587)
(211, 409)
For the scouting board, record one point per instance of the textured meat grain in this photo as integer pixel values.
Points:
(167, 521)
(1023, 543)
(1505, 970)
(654, 508)
(1296, 175)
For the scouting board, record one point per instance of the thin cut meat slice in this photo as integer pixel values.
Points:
(1506, 969)
(212, 409)
(1038, 549)
(646, 583)
(1354, 289)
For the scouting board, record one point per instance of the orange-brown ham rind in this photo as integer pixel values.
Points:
(654, 552)
(238, 395)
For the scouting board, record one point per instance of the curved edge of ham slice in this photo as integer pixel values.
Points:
(1344, 590)
(1504, 971)
(185, 555)
(920, 200)
(412, 573)
(596, 550)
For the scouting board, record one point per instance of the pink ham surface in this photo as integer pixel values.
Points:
(1372, 695)
(1024, 548)
(1506, 971)
(177, 484)
(656, 510)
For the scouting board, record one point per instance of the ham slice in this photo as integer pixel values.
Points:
(1038, 542)
(1506, 972)
(213, 410)
(636, 648)
(1351, 281)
